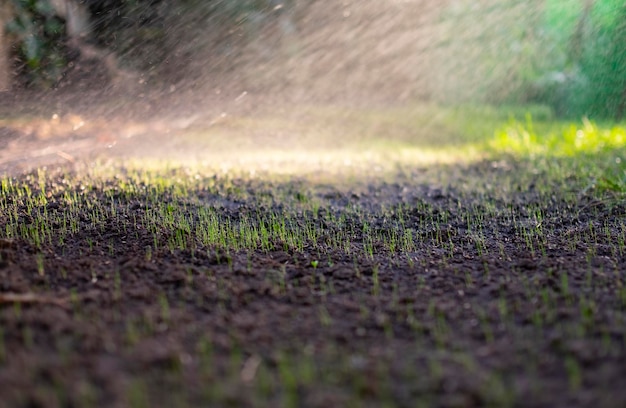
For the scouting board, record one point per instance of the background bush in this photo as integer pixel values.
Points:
(567, 54)
(41, 50)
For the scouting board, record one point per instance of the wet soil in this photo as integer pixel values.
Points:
(474, 312)
(509, 292)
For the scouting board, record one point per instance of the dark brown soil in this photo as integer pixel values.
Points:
(470, 316)
(512, 292)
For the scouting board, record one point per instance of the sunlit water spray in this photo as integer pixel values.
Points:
(304, 86)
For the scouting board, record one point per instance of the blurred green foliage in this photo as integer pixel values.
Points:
(590, 77)
(41, 38)
(567, 54)
(603, 65)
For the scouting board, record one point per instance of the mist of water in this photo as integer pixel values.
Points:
(198, 68)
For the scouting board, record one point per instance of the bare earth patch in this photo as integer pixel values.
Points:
(133, 288)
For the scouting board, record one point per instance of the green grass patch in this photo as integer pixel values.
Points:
(587, 149)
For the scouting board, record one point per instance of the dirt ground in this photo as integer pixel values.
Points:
(511, 293)
(474, 319)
